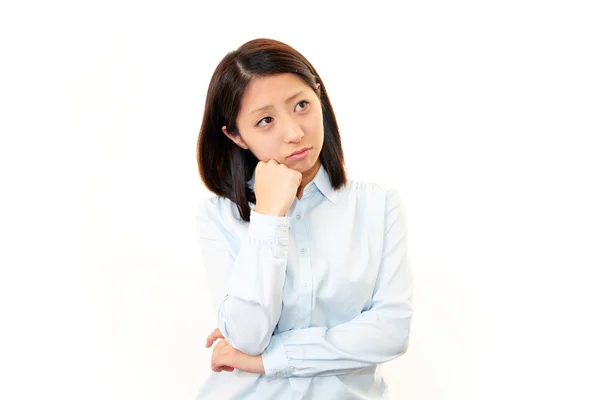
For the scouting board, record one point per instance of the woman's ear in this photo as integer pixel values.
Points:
(237, 139)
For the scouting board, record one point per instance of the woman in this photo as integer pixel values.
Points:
(308, 270)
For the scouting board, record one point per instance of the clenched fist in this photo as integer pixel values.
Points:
(275, 187)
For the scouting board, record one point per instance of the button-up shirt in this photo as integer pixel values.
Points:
(324, 293)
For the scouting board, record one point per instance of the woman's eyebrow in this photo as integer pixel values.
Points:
(287, 101)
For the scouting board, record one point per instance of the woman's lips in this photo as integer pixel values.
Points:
(301, 155)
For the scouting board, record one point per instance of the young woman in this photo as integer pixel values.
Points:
(308, 270)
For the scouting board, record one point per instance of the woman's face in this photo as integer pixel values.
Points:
(279, 115)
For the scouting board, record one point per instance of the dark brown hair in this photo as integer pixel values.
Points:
(224, 166)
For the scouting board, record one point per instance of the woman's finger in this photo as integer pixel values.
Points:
(219, 362)
(216, 334)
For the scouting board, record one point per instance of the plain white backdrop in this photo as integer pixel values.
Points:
(484, 116)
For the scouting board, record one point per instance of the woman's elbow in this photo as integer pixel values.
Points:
(402, 348)
(252, 348)
(250, 335)
(401, 343)
(252, 341)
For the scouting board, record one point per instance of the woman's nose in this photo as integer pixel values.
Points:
(293, 132)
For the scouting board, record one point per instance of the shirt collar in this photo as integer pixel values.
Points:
(321, 181)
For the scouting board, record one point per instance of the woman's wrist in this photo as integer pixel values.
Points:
(247, 363)
(267, 211)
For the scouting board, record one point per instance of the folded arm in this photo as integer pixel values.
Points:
(247, 287)
(377, 335)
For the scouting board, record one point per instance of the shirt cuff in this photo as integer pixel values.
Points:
(268, 227)
(274, 359)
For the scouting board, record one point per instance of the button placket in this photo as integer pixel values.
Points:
(304, 274)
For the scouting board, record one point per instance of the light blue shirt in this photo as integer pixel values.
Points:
(324, 293)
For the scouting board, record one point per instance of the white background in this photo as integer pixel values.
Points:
(484, 116)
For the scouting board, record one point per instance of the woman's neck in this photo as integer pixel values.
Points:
(308, 176)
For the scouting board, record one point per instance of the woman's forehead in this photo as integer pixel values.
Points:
(266, 91)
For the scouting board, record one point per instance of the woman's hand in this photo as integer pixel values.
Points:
(226, 358)
(275, 187)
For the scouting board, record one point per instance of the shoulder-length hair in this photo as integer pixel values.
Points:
(225, 167)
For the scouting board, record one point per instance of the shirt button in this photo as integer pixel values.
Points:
(305, 284)
(302, 251)
(279, 374)
(297, 216)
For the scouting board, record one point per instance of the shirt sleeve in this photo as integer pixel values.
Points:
(377, 335)
(247, 287)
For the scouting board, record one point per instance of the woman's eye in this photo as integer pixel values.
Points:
(304, 102)
(268, 120)
(264, 119)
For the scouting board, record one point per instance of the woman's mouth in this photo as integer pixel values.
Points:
(301, 154)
